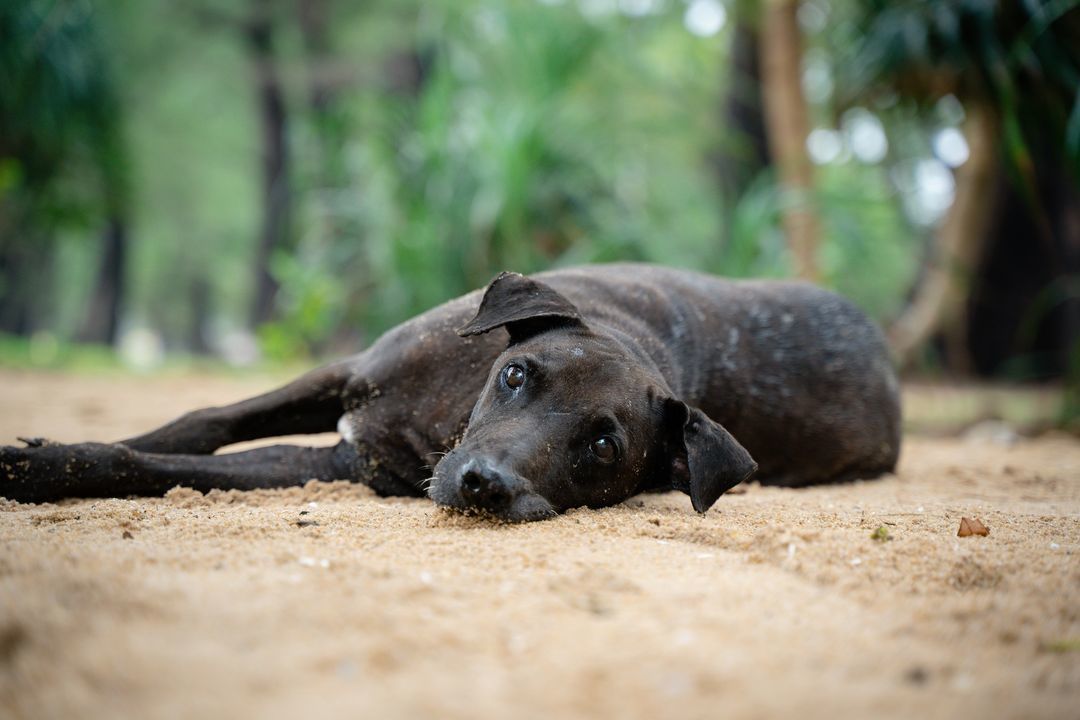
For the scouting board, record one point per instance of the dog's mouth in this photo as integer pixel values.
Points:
(450, 491)
(541, 511)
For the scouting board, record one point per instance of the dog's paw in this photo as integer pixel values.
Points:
(16, 469)
(35, 442)
(44, 471)
(40, 472)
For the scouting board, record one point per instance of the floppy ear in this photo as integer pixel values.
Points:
(705, 460)
(523, 305)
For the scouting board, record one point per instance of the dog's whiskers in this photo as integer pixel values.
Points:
(437, 453)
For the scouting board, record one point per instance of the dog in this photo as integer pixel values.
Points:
(569, 388)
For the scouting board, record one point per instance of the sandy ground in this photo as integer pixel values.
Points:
(775, 603)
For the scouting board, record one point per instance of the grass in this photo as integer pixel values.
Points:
(947, 408)
(43, 351)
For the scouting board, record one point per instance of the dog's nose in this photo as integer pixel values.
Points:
(483, 486)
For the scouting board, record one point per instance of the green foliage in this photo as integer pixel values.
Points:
(538, 139)
(189, 100)
(756, 246)
(1020, 57)
(1062, 646)
(46, 350)
(57, 103)
(535, 134)
(62, 160)
(866, 254)
(1070, 412)
(313, 303)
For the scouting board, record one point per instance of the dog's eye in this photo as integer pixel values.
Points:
(514, 376)
(604, 449)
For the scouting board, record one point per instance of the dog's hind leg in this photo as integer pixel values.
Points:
(311, 404)
(51, 472)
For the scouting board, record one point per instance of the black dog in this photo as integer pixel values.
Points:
(616, 379)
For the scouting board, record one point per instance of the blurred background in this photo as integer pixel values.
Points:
(261, 181)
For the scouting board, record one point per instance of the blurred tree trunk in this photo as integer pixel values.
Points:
(939, 302)
(199, 293)
(22, 277)
(101, 323)
(407, 71)
(745, 150)
(332, 175)
(788, 125)
(274, 233)
(1023, 311)
(314, 20)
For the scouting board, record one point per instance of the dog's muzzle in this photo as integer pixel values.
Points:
(485, 486)
(480, 483)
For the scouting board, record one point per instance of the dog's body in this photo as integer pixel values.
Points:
(609, 363)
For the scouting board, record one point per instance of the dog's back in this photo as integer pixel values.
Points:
(798, 374)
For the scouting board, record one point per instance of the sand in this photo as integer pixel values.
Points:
(328, 601)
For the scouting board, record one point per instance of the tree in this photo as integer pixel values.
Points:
(59, 136)
(258, 30)
(946, 281)
(101, 321)
(1015, 67)
(788, 124)
(744, 151)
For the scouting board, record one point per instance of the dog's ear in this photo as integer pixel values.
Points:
(704, 460)
(523, 305)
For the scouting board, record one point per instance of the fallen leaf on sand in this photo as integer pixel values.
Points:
(972, 526)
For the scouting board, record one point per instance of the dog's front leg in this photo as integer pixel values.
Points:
(311, 404)
(44, 473)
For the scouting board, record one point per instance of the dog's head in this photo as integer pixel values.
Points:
(571, 417)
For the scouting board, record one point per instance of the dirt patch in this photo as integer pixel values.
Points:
(325, 600)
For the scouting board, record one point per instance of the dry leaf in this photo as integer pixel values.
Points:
(972, 526)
